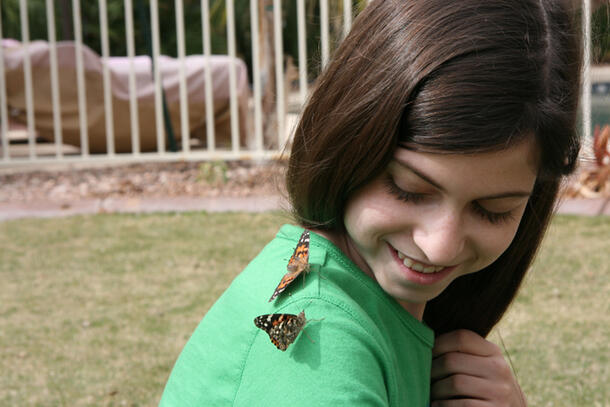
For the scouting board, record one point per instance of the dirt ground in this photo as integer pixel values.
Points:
(193, 179)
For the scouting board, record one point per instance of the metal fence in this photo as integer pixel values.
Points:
(252, 130)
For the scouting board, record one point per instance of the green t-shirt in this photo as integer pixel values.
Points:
(366, 351)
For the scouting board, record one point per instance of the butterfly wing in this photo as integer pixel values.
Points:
(300, 256)
(299, 262)
(271, 323)
(282, 329)
(285, 282)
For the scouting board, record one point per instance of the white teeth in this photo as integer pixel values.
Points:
(418, 266)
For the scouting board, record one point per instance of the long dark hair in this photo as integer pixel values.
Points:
(448, 77)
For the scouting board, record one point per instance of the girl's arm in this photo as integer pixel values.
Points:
(468, 370)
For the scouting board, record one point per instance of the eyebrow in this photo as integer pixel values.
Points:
(506, 194)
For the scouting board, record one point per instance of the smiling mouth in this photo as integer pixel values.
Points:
(417, 266)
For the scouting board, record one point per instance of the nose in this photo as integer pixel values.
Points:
(441, 238)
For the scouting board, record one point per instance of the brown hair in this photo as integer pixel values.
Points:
(449, 77)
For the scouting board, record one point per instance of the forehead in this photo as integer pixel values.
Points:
(515, 166)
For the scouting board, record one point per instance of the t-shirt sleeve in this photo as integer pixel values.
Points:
(335, 361)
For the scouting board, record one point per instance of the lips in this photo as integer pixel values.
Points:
(429, 274)
(419, 267)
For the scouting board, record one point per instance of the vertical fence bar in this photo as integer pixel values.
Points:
(207, 51)
(347, 17)
(3, 103)
(324, 32)
(80, 78)
(154, 20)
(302, 37)
(133, 100)
(232, 75)
(27, 75)
(586, 79)
(106, 78)
(184, 107)
(256, 76)
(57, 131)
(279, 70)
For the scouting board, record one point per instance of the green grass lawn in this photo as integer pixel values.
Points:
(94, 310)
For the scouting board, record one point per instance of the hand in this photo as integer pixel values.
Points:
(470, 371)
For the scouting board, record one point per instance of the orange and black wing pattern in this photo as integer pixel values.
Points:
(282, 329)
(298, 263)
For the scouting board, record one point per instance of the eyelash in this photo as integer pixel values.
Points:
(492, 217)
(401, 194)
(405, 196)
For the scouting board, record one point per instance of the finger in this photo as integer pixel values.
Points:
(465, 341)
(463, 363)
(465, 386)
(461, 403)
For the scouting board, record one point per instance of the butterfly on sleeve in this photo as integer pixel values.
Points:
(282, 329)
(298, 263)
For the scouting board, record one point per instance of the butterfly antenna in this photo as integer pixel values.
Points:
(512, 367)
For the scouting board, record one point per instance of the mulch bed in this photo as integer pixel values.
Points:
(169, 179)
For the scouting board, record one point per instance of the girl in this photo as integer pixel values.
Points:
(425, 166)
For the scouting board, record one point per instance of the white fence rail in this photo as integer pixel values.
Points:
(212, 110)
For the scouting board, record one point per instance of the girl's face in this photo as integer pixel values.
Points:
(430, 218)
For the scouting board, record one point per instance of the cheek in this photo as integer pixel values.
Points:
(368, 210)
(363, 222)
(494, 242)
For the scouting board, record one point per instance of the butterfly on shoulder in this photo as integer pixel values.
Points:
(298, 263)
(283, 329)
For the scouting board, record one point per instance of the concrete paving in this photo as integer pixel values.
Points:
(587, 207)
(47, 209)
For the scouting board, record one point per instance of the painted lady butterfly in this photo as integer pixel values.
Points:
(298, 263)
(282, 329)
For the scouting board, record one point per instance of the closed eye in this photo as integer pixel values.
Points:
(401, 194)
(492, 217)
